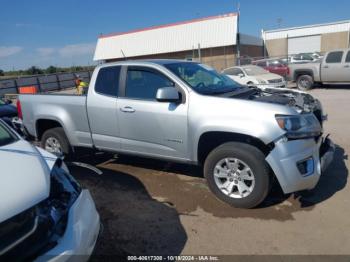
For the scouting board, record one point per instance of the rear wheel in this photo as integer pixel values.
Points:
(305, 82)
(56, 142)
(238, 174)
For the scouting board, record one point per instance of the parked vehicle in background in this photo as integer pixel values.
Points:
(7, 110)
(44, 213)
(253, 75)
(315, 55)
(186, 112)
(334, 68)
(301, 58)
(275, 66)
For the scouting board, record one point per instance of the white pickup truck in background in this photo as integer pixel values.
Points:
(334, 68)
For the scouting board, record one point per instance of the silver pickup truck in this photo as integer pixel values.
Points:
(187, 112)
(334, 68)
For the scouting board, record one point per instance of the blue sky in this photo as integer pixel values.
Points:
(64, 33)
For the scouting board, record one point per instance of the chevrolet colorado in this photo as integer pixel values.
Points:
(184, 111)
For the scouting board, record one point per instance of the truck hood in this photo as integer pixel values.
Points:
(299, 101)
(25, 177)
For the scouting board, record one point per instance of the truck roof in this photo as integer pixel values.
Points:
(148, 61)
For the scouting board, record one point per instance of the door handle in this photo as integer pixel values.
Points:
(127, 109)
(347, 66)
(325, 67)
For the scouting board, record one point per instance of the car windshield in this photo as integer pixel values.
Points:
(6, 136)
(202, 78)
(255, 70)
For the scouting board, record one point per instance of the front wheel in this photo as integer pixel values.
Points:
(305, 82)
(238, 174)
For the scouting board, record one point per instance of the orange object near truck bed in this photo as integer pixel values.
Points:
(28, 90)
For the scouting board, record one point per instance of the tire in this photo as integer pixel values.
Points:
(53, 135)
(305, 82)
(254, 160)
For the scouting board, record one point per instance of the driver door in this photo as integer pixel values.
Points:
(149, 127)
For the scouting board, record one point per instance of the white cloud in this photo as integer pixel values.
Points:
(77, 49)
(45, 51)
(6, 51)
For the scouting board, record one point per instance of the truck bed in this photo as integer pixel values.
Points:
(57, 107)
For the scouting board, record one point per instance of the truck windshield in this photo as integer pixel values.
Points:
(202, 78)
(6, 136)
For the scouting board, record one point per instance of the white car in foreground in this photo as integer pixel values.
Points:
(44, 213)
(253, 75)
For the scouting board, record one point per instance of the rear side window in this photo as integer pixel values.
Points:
(334, 57)
(143, 83)
(107, 82)
(228, 71)
(347, 59)
(233, 71)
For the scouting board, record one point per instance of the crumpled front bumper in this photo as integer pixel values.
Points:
(286, 155)
(81, 234)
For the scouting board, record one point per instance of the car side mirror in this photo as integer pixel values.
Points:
(167, 94)
(241, 75)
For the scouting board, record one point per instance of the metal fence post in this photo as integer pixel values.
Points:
(58, 82)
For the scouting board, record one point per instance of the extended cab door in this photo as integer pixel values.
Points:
(149, 127)
(102, 108)
(346, 67)
(332, 68)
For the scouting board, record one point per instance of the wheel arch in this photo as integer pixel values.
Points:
(212, 139)
(301, 72)
(44, 124)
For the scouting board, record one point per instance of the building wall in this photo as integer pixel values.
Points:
(332, 41)
(218, 57)
(276, 47)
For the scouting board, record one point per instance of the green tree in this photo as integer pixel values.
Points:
(2, 72)
(51, 70)
(34, 71)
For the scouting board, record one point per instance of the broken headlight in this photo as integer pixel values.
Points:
(64, 188)
(299, 126)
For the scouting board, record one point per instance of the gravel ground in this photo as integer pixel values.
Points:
(153, 207)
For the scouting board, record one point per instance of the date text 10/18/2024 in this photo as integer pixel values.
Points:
(173, 258)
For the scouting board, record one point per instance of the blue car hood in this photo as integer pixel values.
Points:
(8, 111)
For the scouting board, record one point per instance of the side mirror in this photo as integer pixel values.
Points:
(241, 75)
(167, 94)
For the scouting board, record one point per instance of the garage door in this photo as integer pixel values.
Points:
(304, 44)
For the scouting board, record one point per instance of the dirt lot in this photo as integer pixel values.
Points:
(152, 207)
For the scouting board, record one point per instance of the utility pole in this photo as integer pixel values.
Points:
(199, 53)
(238, 36)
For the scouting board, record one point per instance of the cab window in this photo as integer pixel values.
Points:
(107, 82)
(143, 83)
(347, 59)
(334, 57)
